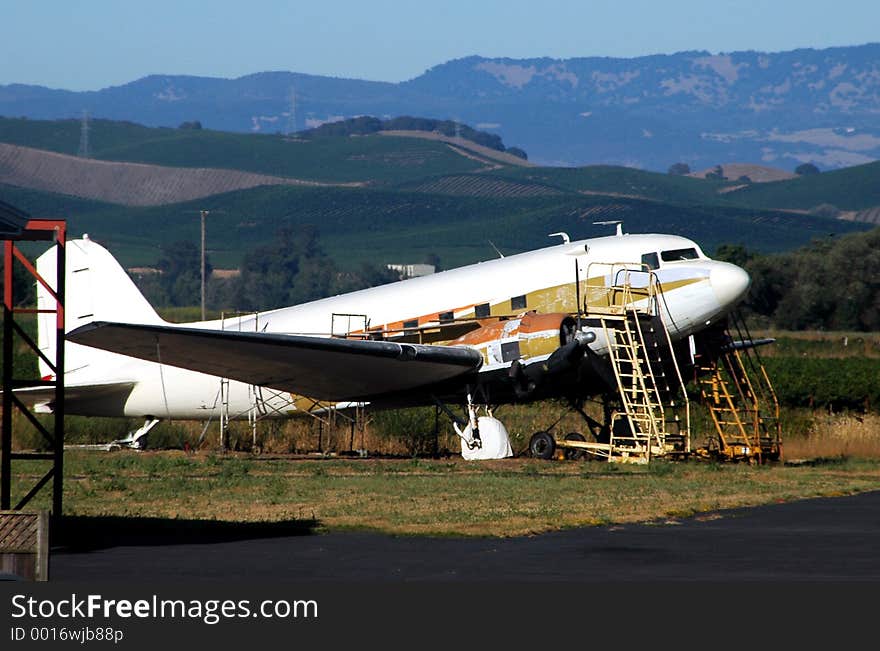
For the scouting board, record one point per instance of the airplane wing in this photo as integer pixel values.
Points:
(76, 396)
(319, 367)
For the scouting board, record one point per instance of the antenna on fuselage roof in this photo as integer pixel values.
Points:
(565, 238)
(492, 244)
(613, 221)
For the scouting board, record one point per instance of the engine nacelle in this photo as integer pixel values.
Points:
(521, 339)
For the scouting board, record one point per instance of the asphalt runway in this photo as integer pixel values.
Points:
(828, 540)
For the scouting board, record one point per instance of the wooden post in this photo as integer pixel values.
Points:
(24, 544)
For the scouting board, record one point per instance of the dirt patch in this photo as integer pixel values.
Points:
(129, 184)
(756, 173)
(461, 143)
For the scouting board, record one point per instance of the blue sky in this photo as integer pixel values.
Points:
(92, 44)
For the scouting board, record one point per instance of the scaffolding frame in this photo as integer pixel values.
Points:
(52, 230)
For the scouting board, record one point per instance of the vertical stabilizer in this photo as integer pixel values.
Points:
(97, 289)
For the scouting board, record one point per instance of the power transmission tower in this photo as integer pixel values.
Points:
(84, 136)
(291, 112)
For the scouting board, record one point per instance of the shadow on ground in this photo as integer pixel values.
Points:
(89, 533)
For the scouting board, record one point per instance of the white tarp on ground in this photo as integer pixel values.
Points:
(493, 434)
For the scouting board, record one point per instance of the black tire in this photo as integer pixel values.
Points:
(575, 453)
(542, 445)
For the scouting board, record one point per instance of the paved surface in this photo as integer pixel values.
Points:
(828, 539)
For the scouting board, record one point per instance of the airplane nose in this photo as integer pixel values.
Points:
(729, 282)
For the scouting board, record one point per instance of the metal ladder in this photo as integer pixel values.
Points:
(649, 422)
(668, 381)
(638, 429)
(743, 406)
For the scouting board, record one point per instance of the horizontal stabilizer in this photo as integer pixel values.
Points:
(748, 343)
(76, 397)
(319, 367)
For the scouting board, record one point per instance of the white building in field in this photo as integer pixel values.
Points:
(412, 270)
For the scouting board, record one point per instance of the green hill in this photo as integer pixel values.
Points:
(413, 162)
(371, 158)
(421, 197)
(374, 158)
(851, 188)
(358, 225)
(624, 181)
(63, 136)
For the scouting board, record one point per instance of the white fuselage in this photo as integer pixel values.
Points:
(696, 291)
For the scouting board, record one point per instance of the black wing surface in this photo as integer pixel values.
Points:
(319, 367)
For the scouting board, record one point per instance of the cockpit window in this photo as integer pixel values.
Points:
(678, 254)
(650, 260)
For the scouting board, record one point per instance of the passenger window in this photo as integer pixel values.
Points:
(510, 351)
(679, 254)
(518, 302)
(650, 260)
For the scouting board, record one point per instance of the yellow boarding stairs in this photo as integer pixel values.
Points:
(742, 405)
(649, 421)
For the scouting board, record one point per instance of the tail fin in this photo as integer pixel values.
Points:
(97, 288)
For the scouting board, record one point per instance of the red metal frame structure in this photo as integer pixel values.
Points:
(35, 230)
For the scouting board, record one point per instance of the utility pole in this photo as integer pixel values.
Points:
(203, 213)
(291, 112)
(84, 136)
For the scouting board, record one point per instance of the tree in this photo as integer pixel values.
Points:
(434, 260)
(825, 210)
(805, 169)
(195, 124)
(733, 253)
(23, 283)
(181, 269)
(679, 169)
(366, 275)
(519, 153)
(716, 174)
(293, 269)
(791, 289)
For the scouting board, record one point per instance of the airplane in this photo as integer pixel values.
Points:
(516, 328)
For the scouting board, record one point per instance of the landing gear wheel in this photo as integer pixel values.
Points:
(575, 453)
(542, 445)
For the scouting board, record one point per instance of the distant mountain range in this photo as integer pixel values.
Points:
(777, 109)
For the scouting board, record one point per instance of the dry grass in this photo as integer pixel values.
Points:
(837, 435)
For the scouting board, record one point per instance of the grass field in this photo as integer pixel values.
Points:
(311, 475)
(398, 489)
(436, 497)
